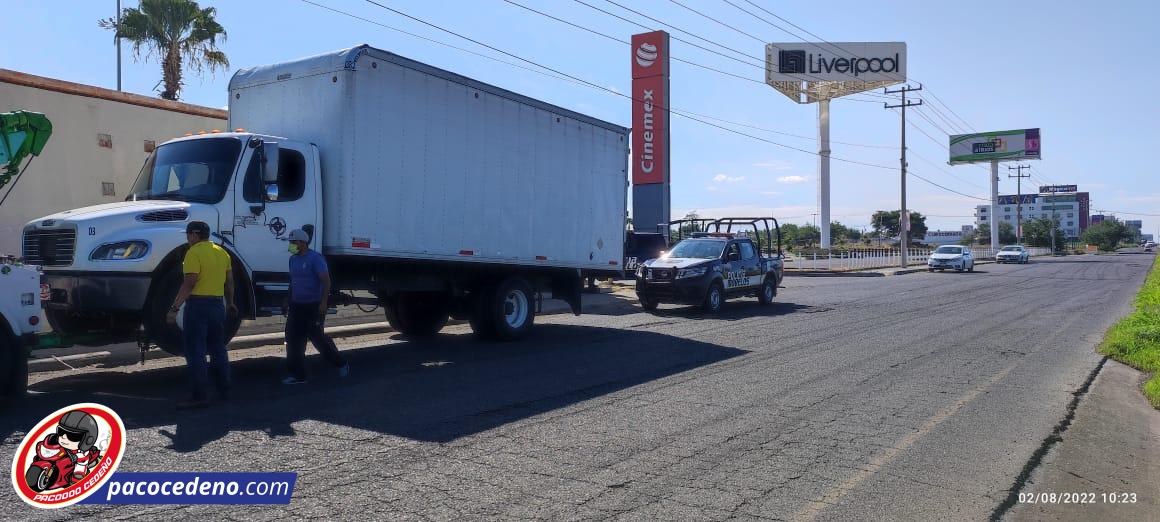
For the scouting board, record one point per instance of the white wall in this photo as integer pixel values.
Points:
(69, 173)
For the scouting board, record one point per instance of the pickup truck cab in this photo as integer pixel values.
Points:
(705, 270)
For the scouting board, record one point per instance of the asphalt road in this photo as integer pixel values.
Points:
(909, 397)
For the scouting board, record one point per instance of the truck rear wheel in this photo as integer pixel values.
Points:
(13, 368)
(166, 336)
(416, 314)
(505, 311)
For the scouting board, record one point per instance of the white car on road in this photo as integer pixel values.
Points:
(1013, 254)
(951, 256)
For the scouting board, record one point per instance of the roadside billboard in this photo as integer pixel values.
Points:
(836, 62)
(1010, 145)
(1052, 189)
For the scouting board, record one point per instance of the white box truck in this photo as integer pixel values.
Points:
(441, 195)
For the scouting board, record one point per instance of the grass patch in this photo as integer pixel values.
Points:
(1135, 339)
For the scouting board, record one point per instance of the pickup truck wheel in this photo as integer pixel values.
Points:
(13, 368)
(507, 311)
(416, 314)
(714, 297)
(768, 291)
(648, 303)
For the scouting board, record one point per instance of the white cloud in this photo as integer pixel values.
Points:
(792, 180)
(721, 178)
(711, 188)
(774, 165)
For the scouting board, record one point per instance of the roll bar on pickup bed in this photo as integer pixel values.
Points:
(766, 231)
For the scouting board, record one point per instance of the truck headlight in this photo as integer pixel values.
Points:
(692, 272)
(122, 251)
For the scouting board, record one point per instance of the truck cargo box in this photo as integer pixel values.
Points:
(422, 163)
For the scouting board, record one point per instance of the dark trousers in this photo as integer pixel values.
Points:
(204, 330)
(304, 322)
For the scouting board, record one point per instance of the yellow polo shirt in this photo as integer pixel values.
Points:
(210, 262)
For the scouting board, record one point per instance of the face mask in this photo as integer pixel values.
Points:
(293, 248)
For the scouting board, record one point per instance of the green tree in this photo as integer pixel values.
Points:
(841, 232)
(968, 239)
(886, 223)
(1006, 233)
(179, 32)
(983, 234)
(789, 234)
(1106, 235)
(1039, 232)
(808, 235)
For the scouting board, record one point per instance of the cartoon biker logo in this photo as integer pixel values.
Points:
(68, 455)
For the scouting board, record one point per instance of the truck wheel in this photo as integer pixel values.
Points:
(648, 303)
(768, 292)
(167, 336)
(507, 311)
(714, 297)
(416, 314)
(13, 368)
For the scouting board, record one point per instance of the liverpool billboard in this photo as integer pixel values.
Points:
(1010, 145)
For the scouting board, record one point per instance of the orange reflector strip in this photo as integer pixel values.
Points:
(613, 263)
(467, 252)
(541, 258)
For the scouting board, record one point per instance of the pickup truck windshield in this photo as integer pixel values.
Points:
(193, 170)
(698, 248)
(949, 250)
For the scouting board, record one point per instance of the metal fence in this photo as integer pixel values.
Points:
(860, 259)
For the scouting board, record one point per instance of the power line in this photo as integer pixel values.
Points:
(606, 89)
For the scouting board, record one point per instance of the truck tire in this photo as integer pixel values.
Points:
(13, 368)
(416, 314)
(714, 298)
(166, 336)
(767, 292)
(507, 310)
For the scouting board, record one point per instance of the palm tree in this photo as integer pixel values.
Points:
(179, 31)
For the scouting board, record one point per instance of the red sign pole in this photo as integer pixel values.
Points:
(650, 130)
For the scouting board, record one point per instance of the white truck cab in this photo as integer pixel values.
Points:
(19, 323)
(115, 266)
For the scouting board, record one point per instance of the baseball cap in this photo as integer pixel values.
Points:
(299, 235)
(200, 227)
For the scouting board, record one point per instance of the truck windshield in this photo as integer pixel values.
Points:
(193, 170)
(698, 249)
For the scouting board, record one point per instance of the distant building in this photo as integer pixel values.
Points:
(1147, 237)
(1100, 218)
(1071, 211)
(1135, 225)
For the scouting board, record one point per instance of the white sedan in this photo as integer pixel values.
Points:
(1013, 254)
(951, 256)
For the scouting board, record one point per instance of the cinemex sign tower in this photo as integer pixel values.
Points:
(809, 72)
(650, 131)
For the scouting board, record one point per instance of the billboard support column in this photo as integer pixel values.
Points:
(994, 205)
(824, 170)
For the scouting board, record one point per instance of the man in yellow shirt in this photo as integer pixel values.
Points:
(208, 279)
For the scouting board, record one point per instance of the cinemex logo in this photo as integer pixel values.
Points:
(68, 455)
(646, 54)
(799, 62)
(646, 158)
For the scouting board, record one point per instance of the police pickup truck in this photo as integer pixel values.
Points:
(707, 268)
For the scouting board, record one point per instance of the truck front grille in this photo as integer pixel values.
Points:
(50, 247)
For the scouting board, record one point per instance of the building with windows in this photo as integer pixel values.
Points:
(1135, 225)
(1072, 211)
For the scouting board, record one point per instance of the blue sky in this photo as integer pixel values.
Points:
(1007, 65)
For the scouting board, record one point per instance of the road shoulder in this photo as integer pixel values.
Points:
(1112, 447)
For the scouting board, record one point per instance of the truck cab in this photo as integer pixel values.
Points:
(708, 268)
(116, 267)
(19, 323)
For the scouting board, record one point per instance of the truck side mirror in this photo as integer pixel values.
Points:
(270, 162)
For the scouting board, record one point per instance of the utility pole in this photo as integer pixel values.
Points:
(118, 41)
(904, 216)
(1019, 199)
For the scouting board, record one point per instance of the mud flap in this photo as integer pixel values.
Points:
(569, 289)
